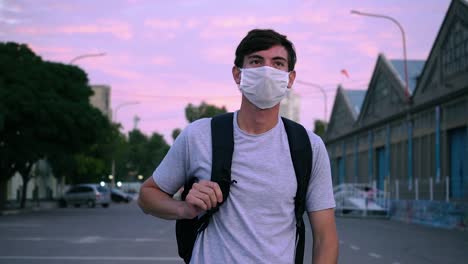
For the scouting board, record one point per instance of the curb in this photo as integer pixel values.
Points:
(16, 211)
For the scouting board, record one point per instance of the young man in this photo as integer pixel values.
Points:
(256, 224)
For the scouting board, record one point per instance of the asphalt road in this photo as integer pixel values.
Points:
(123, 234)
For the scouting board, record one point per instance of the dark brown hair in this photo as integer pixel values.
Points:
(263, 39)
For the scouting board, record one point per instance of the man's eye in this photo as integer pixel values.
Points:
(279, 64)
(254, 61)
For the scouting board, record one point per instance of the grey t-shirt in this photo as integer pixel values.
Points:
(256, 224)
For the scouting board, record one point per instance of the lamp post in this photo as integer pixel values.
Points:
(324, 96)
(86, 56)
(114, 119)
(355, 12)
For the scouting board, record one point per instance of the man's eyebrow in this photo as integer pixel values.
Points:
(280, 58)
(254, 56)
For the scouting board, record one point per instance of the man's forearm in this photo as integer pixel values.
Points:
(159, 204)
(325, 251)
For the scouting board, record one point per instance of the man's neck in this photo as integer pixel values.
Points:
(253, 120)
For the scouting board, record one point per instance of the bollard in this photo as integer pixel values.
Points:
(397, 190)
(447, 189)
(431, 189)
(416, 189)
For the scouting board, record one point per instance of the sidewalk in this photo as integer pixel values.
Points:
(31, 206)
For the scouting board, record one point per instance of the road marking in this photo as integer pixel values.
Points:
(149, 240)
(88, 240)
(109, 258)
(30, 239)
(341, 242)
(396, 263)
(353, 247)
(374, 255)
(8, 225)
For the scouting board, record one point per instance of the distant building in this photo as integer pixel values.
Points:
(101, 99)
(413, 148)
(290, 106)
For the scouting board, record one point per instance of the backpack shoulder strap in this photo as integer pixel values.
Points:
(222, 139)
(301, 155)
(222, 136)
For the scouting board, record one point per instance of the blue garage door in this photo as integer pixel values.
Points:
(341, 171)
(381, 168)
(458, 172)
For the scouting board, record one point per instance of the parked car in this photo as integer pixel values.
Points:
(120, 196)
(89, 194)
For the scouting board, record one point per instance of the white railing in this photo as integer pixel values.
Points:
(419, 189)
(361, 200)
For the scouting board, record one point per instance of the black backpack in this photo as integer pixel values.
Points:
(222, 136)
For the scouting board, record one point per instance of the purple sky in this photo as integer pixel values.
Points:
(168, 53)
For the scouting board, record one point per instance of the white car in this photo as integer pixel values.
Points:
(88, 194)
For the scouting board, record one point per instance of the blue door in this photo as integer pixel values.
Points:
(380, 168)
(341, 171)
(458, 172)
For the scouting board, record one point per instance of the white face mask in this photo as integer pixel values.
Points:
(264, 86)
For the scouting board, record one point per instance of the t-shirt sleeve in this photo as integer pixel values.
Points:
(171, 173)
(320, 190)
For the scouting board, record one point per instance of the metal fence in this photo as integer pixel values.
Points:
(418, 189)
(361, 200)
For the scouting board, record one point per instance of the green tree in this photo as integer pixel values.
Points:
(94, 163)
(193, 112)
(142, 155)
(175, 133)
(46, 111)
(137, 155)
(320, 128)
(157, 149)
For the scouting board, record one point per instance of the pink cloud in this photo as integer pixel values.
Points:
(219, 55)
(118, 29)
(162, 61)
(367, 48)
(115, 65)
(192, 23)
(248, 21)
(160, 24)
(10, 7)
(163, 35)
(233, 22)
(122, 73)
(215, 90)
(9, 21)
(32, 30)
(212, 33)
(50, 49)
(307, 17)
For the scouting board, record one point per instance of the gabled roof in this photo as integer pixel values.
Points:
(355, 99)
(345, 111)
(415, 68)
(397, 85)
(456, 8)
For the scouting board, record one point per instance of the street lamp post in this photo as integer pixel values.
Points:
(86, 56)
(114, 119)
(355, 12)
(324, 96)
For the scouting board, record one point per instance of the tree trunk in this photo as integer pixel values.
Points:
(25, 174)
(24, 191)
(3, 192)
(6, 172)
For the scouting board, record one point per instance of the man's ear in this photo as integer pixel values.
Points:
(236, 74)
(292, 77)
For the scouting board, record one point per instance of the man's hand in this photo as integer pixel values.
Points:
(203, 196)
